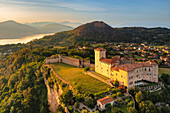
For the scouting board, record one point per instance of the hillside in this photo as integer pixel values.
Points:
(22, 84)
(101, 32)
(12, 30)
(95, 31)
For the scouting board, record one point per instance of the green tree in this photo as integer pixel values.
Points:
(66, 96)
(131, 91)
(77, 104)
(130, 104)
(116, 110)
(108, 107)
(12, 110)
(166, 78)
(89, 102)
(114, 96)
(139, 97)
(116, 83)
(165, 109)
(119, 94)
(147, 107)
(132, 110)
(84, 111)
(86, 69)
(70, 108)
(60, 109)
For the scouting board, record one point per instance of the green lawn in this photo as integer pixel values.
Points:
(164, 70)
(101, 76)
(74, 75)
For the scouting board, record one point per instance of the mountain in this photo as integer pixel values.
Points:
(73, 24)
(50, 26)
(39, 24)
(12, 30)
(147, 24)
(55, 27)
(99, 31)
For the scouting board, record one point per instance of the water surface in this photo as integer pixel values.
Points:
(23, 39)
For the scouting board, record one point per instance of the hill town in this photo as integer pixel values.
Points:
(83, 70)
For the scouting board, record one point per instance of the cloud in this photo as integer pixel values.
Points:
(76, 6)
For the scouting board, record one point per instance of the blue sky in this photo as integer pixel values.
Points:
(149, 13)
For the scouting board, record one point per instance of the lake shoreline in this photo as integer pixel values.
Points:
(23, 39)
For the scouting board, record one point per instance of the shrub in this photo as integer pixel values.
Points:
(119, 94)
(86, 69)
(114, 96)
(114, 90)
(70, 108)
(116, 83)
(119, 100)
(76, 104)
(127, 100)
(130, 104)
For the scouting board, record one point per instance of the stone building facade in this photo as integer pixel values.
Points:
(128, 73)
(68, 60)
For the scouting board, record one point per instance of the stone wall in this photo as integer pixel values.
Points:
(85, 63)
(71, 61)
(52, 60)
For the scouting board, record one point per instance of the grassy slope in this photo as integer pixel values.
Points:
(73, 74)
(164, 70)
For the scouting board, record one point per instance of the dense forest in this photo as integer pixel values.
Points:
(22, 87)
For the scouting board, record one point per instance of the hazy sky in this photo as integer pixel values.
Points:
(113, 12)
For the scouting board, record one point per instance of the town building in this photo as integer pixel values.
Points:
(101, 103)
(127, 73)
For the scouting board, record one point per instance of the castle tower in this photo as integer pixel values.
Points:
(99, 53)
(60, 57)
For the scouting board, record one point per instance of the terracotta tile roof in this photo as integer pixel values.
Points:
(100, 49)
(110, 61)
(105, 100)
(131, 67)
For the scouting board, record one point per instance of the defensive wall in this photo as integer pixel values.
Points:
(71, 61)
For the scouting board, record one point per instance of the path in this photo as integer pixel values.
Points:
(82, 105)
(99, 78)
(127, 94)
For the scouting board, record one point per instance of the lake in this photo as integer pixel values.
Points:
(23, 39)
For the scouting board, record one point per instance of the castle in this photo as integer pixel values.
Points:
(127, 74)
(68, 60)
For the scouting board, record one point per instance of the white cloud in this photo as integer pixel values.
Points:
(77, 6)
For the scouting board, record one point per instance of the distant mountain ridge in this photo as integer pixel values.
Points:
(99, 31)
(13, 30)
